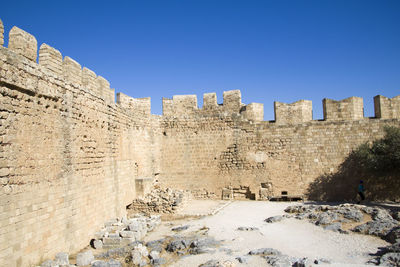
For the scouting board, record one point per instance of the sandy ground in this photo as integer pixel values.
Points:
(292, 237)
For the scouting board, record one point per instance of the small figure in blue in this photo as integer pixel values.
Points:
(361, 190)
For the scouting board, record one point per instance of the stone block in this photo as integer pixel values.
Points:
(89, 80)
(111, 241)
(254, 112)
(23, 43)
(232, 101)
(387, 108)
(72, 71)
(351, 108)
(62, 258)
(84, 258)
(294, 113)
(51, 59)
(126, 234)
(210, 101)
(97, 244)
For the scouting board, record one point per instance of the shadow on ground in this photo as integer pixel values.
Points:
(342, 185)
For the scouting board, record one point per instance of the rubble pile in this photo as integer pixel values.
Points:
(375, 221)
(161, 201)
(367, 220)
(120, 236)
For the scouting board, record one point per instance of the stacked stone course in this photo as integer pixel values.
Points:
(71, 156)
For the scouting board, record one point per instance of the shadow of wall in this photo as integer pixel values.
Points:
(342, 185)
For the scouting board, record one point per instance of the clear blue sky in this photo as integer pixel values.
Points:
(270, 50)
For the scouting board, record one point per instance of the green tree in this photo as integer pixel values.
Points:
(383, 155)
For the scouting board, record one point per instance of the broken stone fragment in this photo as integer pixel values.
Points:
(180, 228)
(273, 219)
(84, 258)
(62, 258)
(97, 244)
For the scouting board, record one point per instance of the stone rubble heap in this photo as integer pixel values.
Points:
(369, 220)
(161, 201)
(120, 236)
(125, 231)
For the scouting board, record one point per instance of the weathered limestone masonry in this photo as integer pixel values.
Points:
(69, 155)
(229, 146)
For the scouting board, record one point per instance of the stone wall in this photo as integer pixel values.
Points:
(69, 155)
(213, 149)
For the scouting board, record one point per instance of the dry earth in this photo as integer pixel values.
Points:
(292, 237)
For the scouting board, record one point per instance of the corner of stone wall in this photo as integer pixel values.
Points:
(387, 108)
(232, 101)
(351, 108)
(51, 59)
(253, 112)
(1, 33)
(23, 43)
(294, 113)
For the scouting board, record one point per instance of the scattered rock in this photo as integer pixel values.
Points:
(62, 258)
(115, 252)
(157, 262)
(48, 263)
(243, 228)
(180, 228)
(390, 259)
(136, 257)
(84, 258)
(97, 244)
(215, 263)
(154, 255)
(376, 227)
(278, 261)
(334, 227)
(242, 259)
(273, 219)
(161, 201)
(99, 263)
(265, 251)
(393, 235)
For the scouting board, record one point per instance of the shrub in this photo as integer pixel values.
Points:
(383, 155)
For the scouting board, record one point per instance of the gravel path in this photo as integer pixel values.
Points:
(291, 237)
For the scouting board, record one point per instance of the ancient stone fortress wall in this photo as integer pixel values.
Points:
(229, 146)
(69, 155)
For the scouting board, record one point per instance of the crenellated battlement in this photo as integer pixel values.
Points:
(51, 62)
(23, 43)
(141, 106)
(186, 105)
(351, 108)
(387, 108)
(70, 71)
(294, 113)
